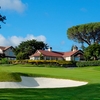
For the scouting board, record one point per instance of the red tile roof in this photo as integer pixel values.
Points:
(4, 48)
(70, 53)
(50, 53)
(35, 55)
(54, 53)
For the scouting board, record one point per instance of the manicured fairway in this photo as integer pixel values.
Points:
(89, 74)
(90, 91)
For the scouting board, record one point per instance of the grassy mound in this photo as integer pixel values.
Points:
(9, 77)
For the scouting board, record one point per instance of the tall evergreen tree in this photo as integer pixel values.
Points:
(85, 33)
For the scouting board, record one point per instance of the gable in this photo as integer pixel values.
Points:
(72, 53)
(9, 52)
(5, 48)
(36, 54)
(78, 53)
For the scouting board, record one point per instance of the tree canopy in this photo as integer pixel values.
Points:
(27, 48)
(92, 52)
(85, 33)
(2, 18)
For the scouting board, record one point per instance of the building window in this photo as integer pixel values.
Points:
(53, 58)
(56, 58)
(77, 58)
(47, 58)
(36, 58)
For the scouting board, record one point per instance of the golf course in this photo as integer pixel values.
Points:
(13, 73)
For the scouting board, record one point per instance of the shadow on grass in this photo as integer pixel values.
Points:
(87, 92)
(9, 77)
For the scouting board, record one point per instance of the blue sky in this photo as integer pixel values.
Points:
(45, 20)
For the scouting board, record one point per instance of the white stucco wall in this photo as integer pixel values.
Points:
(52, 58)
(68, 58)
(1, 51)
(34, 58)
(60, 58)
(45, 58)
(72, 58)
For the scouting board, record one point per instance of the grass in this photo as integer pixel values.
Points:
(90, 91)
(89, 74)
(9, 77)
(87, 92)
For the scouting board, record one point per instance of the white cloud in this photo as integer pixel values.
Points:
(15, 5)
(3, 40)
(38, 38)
(16, 40)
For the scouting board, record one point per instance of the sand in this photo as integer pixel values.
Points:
(41, 82)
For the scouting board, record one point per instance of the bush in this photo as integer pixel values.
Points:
(87, 63)
(18, 61)
(45, 63)
(4, 61)
(67, 63)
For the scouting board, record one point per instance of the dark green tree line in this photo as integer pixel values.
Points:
(27, 48)
(92, 52)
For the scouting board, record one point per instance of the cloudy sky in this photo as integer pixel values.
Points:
(45, 20)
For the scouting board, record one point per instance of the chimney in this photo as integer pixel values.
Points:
(50, 49)
(75, 48)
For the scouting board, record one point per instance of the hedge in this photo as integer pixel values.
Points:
(60, 63)
(87, 63)
(4, 61)
(49, 62)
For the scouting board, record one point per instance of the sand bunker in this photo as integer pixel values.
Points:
(41, 82)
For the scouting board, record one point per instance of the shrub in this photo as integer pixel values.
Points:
(87, 63)
(53, 63)
(49, 63)
(67, 63)
(4, 61)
